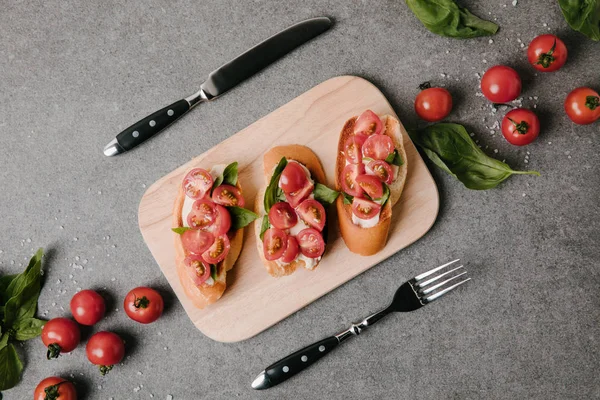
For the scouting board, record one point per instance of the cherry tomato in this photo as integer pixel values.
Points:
(105, 349)
(55, 388)
(311, 243)
(144, 305)
(382, 170)
(365, 209)
(197, 183)
(222, 222)
(296, 198)
(87, 307)
(378, 147)
(293, 178)
(583, 106)
(291, 251)
(353, 148)
(218, 251)
(60, 335)
(196, 241)
(274, 243)
(203, 214)
(433, 104)
(501, 84)
(197, 269)
(371, 185)
(520, 126)
(227, 195)
(547, 53)
(368, 123)
(348, 179)
(312, 213)
(282, 216)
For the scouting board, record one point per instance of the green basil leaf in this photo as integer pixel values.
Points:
(10, 367)
(394, 158)
(265, 225)
(24, 290)
(240, 217)
(181, 230)
(386, 195)
(347, 198)
(230, 174)
(218, 181)
(28, 328)
(17, 284)
(213, 271)
(4, 283)
(4, 340)
(325, 195)
(271, 192)
(583, 16)
(451, 148)
(280, 195)
(446, 18)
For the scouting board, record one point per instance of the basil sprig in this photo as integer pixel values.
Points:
(347, 198)
(273, 191)
(240, 217)
(451, 148)
(394, 159)
(325, 195)
(386, 195)
(228, 177)
(213, 271)
(18, 303)
(181, 230)
(264, 226)
(583, 16)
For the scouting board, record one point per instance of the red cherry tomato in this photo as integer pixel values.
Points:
(353, 148)
(218, 251)
(55, 388)
(348, 179)
(197, 269)
(296, 198)
(105, 349)
(196, 241)
(274, 243)
(87, 307)
(520, 126)
(501, 84)
(378, 147)
(227, 195)
(371, 185)
(197, 183)
(312, 213)
(282, 216)
(547, 53)
(293, 178)
(368, 123)
(433, 104)
(583, 106)
(222, 223)
(60, 335)
(143, 304)
(203, 214)
(291, 251)
(382, 170)
(311, 243)
(365, 209)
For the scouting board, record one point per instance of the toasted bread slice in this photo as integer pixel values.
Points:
(368, 241)
(306, 157)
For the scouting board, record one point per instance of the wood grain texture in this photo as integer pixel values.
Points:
(254, 300)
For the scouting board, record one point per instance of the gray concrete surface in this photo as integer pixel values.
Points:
(73, 74)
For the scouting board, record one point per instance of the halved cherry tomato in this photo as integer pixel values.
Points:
(296, 198)
(218, 251)
(312, 213)
(368, 123)
(520, 126)
(293, 178)
(311, 243)
(105, 349)
(197, 183)
(55, 388)
(274, 243)
(501, 84)
(433, 104)
(203, 214)
(547, 53)
(282, 215)
(371, 185)
(381, 170)
(291, 251)
(197, 269)
(348, 179)
(583, 106)
(353, 148)
(197, 241)
(87, 307)
(227, 195)
(60, 335)
(365, 209)
(378, 147)
(143, 304)
(222, 223)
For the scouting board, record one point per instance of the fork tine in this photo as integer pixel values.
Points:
(443, 292)
(439, 285)
(430, 281)
(426, 274)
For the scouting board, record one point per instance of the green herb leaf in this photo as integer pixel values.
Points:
(10, 367)
(213, 271)
(265, 225)
(446, 18)
(271, 192)
(347, 198)
(28, 328)
(325, 195)
(230, 174)
(240, 217)
(386, 194)
(24, 291)
(181, 230)
(451, 148)
(394, 158)
(4, 340)
(583, 16)
(4, 283)
(17, 284)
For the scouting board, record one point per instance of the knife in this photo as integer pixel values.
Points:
(220, 81)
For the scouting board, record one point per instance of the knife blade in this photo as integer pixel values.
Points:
(220, 81)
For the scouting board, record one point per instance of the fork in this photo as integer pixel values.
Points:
(412, 295)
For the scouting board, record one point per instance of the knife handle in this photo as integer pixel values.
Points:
(145, 128)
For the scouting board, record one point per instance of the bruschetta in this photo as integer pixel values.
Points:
(371, 168)
(292, 232)
(208, 221)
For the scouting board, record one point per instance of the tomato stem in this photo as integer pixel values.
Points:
(53, 351)
(52, 391)
(424, 85)
(521, 127)
(141, 302)
(546, 59)
(592, 102)
(104, 369)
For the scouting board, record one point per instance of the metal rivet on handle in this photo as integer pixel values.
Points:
(135, 134)
(170, 113)
(304, 358)
(152, 123)
(321, 348)
(285, 368)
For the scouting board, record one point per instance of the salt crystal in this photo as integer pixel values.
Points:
(522, 44)
(53, 304)
(490, 41)
(139, 372)
(70, 276)
(75, 239)
(137, 389)
(76, 258)
(443, 75)
(169, 397)
(535, 97)
(484, 61)
(524, 194)
(62, 227)
(99, 191)
(113, 279)
(544, 24)
(57, 281)
(165, 348)
(514, 3)
(519, 40)
(495, 150)
(28, 240)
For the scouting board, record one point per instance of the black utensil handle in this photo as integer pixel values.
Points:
(145, 128)
(298, 361)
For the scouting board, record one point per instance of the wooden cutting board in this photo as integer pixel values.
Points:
(254, 300)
